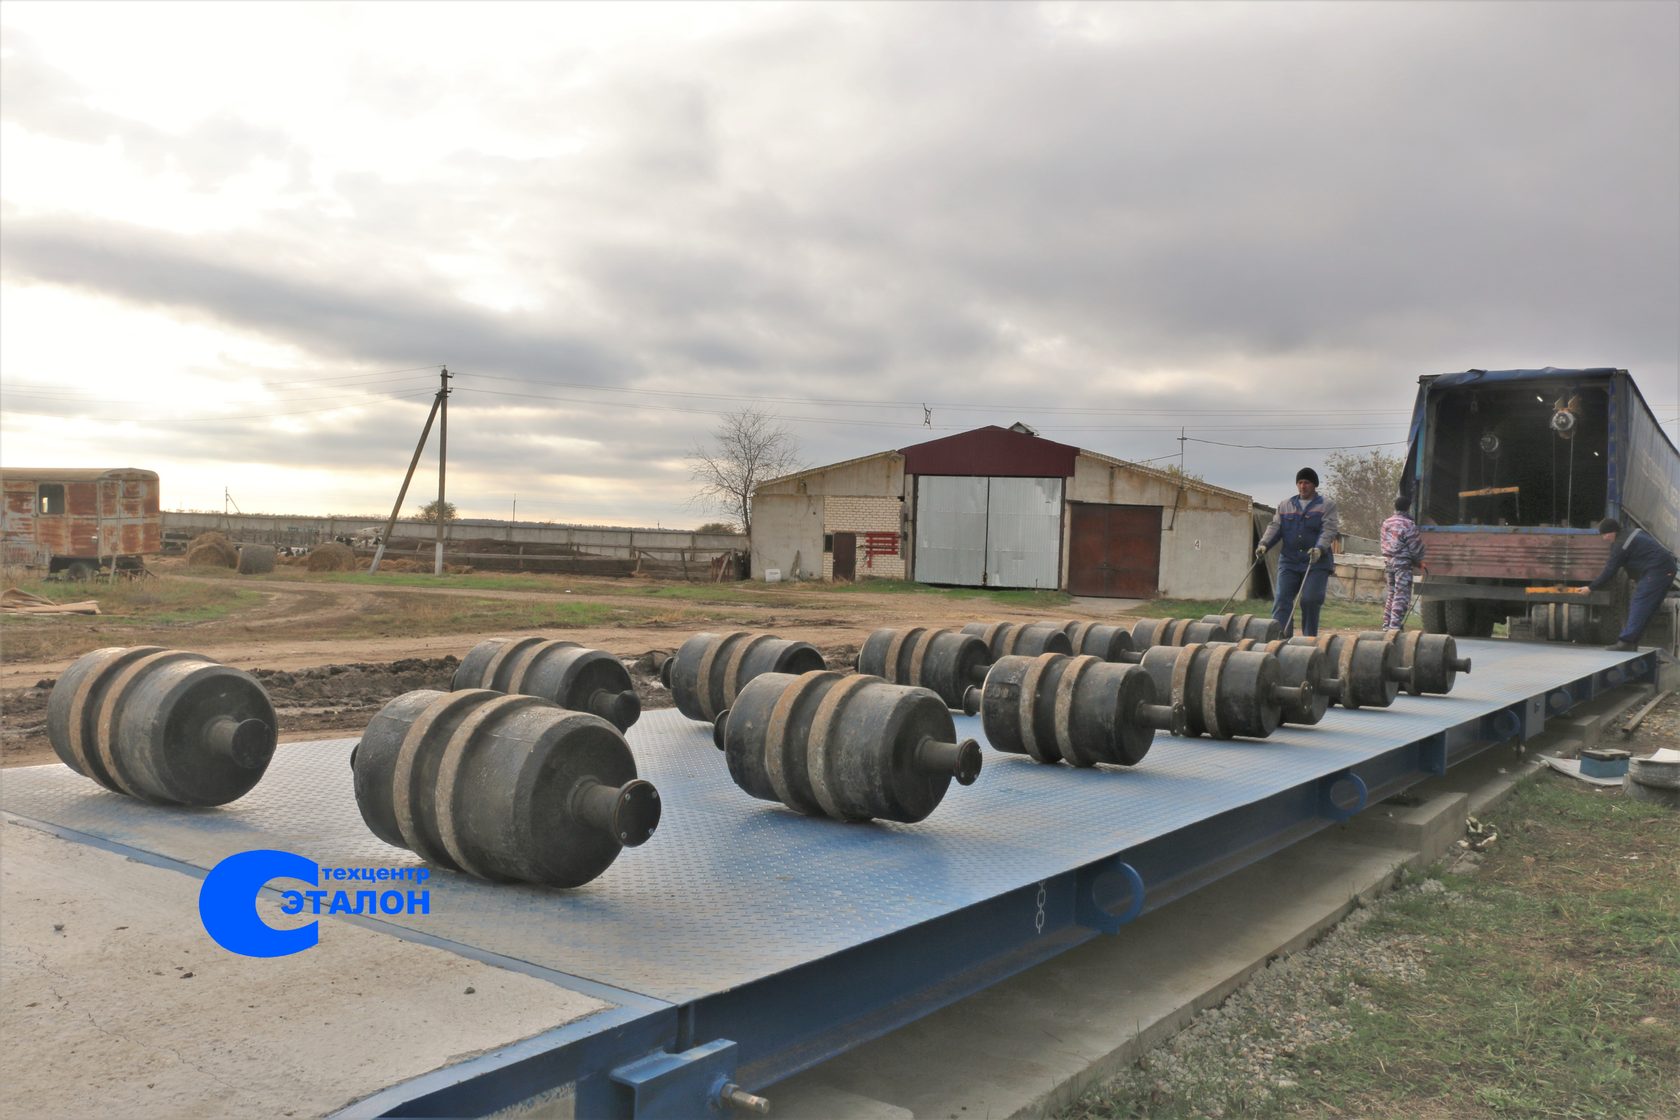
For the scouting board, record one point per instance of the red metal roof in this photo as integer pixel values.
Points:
(994, 451)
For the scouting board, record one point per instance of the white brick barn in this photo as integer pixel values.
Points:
(1001, 507)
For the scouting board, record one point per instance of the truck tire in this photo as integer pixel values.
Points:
(1483, 618)
(1460, 617)
(1434, 615)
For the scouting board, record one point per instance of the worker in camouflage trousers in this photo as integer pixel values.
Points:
(1402, 549)
(1303, 528)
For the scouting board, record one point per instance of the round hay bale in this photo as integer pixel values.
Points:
(212, 550)
(331, 557)
(255, 559)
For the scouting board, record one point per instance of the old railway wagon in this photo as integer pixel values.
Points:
(78, 521)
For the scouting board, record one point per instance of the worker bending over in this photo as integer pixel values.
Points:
(1402, 549)
(1303, 527)
(1650, 565)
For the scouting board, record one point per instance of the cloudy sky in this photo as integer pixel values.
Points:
(237, 241)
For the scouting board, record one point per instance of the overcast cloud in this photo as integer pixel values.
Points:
(225, 227)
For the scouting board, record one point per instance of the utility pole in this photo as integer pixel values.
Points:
(385, 537)
(443, 454)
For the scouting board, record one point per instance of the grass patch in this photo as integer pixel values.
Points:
(1547, 985)
(153, 600)
(1335, 615)
(1014, 597)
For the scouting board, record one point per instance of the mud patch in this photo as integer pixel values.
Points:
(329, 701)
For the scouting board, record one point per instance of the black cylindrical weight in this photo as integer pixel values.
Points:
(1299, 667)
(162, 725)
(1369, 670)
(1011, 639)
(1153, 632)
(1081, 710)
(709, 670)
(1224, 691)
(1098, 639)
(504, 787)
(847, 747)
(949, 663)
(1260, 627)
(583, 680)
(1431, 659)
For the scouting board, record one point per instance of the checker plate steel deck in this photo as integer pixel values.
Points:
(798, 937)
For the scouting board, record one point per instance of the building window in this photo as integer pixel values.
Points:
(828, 542)
(50, 498)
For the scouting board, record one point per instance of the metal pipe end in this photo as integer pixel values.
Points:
(1401, 673)
(968, 764)
(971, 701)
(719, 735)
(1330, 686)
(733, 1096)
(959, 760)
(248, 743)
(1461, 665)
(636, 814)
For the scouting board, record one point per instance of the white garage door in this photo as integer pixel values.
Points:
(1024, 532)
(988, 532)
(950, 530)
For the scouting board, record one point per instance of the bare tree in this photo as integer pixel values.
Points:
(1363, 487)
(749, 447)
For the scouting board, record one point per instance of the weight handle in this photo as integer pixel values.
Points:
(960, 760)
(243, 741)
(628, 813)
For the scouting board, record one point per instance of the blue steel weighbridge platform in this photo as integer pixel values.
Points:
(745, 942)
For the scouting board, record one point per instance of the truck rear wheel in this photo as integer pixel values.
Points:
(1460, 617)
(1434, 615)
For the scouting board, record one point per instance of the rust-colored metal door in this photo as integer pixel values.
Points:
(1114, 551)
(845, 556)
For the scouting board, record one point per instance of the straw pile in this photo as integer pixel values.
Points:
(212, 550)
(331, 557)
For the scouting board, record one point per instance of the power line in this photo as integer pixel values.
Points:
(967, 406)
(1269, 447)
(74, 396)
(251, 416)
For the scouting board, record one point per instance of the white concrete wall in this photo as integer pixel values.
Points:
(787, 534)
(590, 540)
(876, 476)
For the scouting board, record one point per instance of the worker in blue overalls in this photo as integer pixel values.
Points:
(1652, 567)
(1304, 527)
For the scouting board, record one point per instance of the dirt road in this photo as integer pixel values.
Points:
(330, 685)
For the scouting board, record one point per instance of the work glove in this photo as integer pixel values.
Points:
(1260, 553)
(1313, 554)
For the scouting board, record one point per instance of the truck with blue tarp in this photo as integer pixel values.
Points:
(1509, 472)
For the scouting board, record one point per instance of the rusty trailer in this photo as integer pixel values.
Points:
(79, 521)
